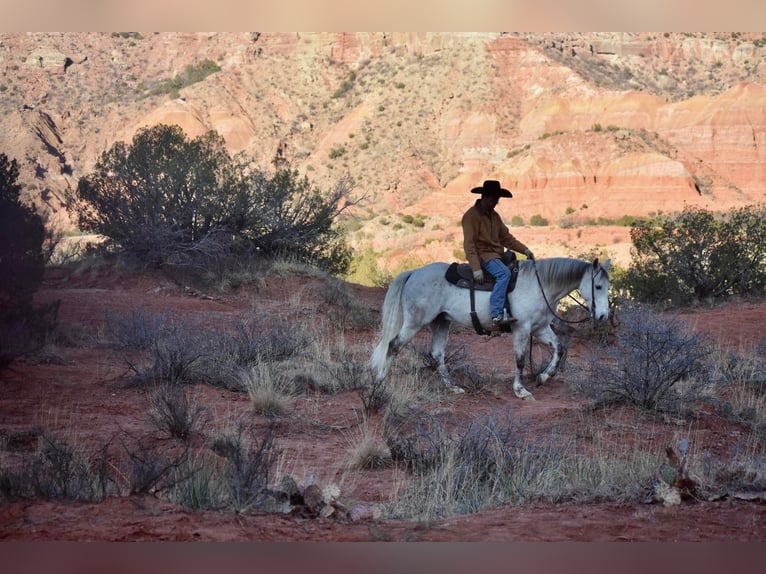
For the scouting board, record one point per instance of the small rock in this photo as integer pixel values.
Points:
(312, 497)
(360, 513)
(668, 495)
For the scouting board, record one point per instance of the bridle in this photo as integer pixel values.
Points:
(592, 310)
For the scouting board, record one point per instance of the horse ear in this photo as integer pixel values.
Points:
(595, 263)
(607, 264)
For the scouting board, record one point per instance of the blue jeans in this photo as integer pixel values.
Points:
(502, 275)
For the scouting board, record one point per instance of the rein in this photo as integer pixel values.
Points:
(593, 297)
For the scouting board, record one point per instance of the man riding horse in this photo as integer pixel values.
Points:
(485, 237)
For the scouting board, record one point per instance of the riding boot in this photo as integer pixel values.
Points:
(504, 322)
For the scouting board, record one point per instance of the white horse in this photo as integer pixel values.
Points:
(423, 297)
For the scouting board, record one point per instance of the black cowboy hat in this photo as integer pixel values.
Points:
(492, 187)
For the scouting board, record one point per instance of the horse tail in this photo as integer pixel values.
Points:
(391, 322)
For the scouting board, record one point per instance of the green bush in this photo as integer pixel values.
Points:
(191, 75)
(161, 197)
(165, 199)
(698, 255)
(538, 220)
(336, 152)
(290, 217)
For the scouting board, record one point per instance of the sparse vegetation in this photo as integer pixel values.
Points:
(57, 470)
(175, 411)
(655, 363)
(698, 255)
(495, 461)
(192, 74)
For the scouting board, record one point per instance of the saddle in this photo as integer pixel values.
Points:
(461, 275)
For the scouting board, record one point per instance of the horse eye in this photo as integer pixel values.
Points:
(598, 286)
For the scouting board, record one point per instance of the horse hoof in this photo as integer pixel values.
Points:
(523, 393)
(455, 390)
(541, 379)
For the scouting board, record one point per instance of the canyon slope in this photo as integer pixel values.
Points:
(586, 130)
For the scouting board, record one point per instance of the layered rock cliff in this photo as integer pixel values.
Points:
(580, 127)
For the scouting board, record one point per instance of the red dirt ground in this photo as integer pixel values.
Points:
(83, 391)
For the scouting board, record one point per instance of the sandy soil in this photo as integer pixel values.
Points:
(83, 391)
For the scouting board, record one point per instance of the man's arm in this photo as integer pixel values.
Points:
(510, 242)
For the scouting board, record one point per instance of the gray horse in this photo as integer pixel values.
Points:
(423, 297)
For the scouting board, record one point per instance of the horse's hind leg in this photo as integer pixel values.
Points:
(439, 336)
(548, 337)
(406, 333)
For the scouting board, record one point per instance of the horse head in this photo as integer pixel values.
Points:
(594, 287)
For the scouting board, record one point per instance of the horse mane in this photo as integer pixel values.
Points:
(559, 272)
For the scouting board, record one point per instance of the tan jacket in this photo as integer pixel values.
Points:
(485, 236)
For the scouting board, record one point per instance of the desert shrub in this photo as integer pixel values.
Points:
(343, 309)
(179, 352)
(168, 200)
(655, 363)
(23, 325)
(745, 472)
(174, 357)
(496, 460)
(365, 269)
(742, 377)
(196, 483)
(463, 372)
(337, 152)
(148, 468)
(163, 198)
(138, 329)
(698, 255)
(250, 460)
(247, 343)
(176, 412)
(538, 220)
(414, 438)
(254, 340)
(488, 463)
(375, 396)
(292, 218)
(367, 449)
(192, 74)
(58, 470)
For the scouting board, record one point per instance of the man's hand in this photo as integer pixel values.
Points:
(529, 254)
(478, 276)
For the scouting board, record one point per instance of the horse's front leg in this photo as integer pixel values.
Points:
(520, 342)
(548, 337)
(439, 336)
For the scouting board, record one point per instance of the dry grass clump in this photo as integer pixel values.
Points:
(741, 378)
(497, 461)
(367, 448)
(176, 411)
(343, 310)
(270, 391)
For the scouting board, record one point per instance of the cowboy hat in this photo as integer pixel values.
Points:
(492, 187)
